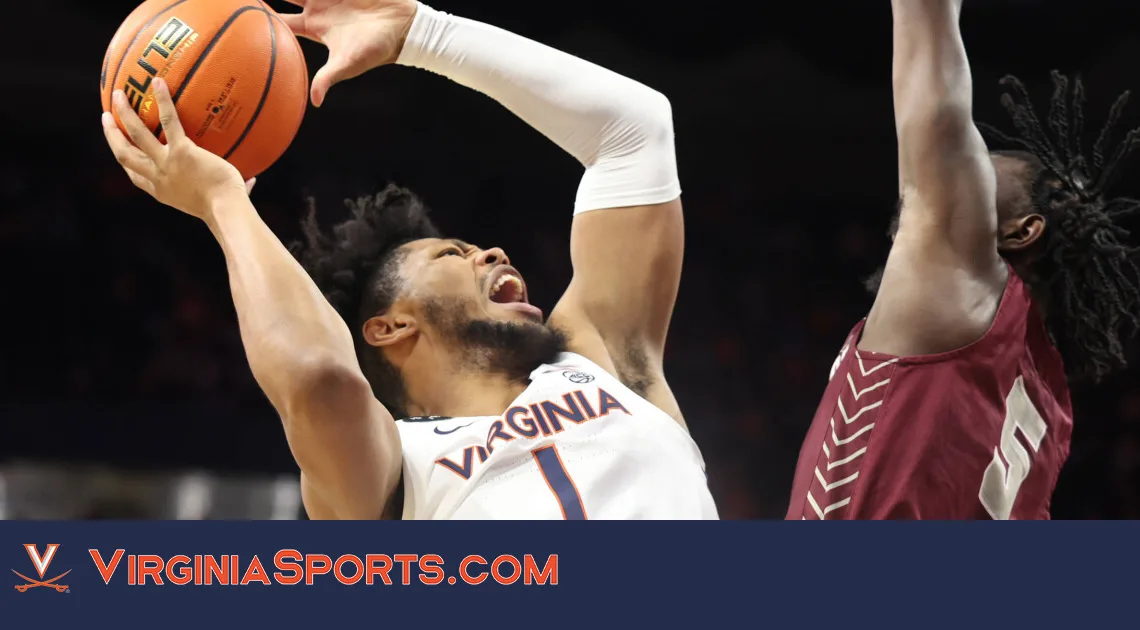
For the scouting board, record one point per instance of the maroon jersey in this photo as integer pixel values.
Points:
(976, 433)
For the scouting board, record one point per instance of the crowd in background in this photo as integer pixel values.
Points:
(121, 344)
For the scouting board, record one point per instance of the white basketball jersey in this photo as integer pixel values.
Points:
(577, 444)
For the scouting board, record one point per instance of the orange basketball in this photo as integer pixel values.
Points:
(235, 71)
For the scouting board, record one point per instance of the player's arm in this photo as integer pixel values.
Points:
(627, 234)
(944, 276)
(302, 354)
(299, 350)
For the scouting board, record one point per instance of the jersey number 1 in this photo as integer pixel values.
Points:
(550, 465)
(999, 483)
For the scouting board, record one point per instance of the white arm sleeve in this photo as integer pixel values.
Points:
(619, 129)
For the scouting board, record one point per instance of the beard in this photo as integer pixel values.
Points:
(513, 349)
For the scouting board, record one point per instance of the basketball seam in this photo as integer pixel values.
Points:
(205, 53)
(268, 83)
(135, 38)
(296, 42)
(273, 14)
(300, 51)
(103, 72)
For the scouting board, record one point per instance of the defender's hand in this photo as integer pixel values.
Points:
(179, 173)
(360, 35)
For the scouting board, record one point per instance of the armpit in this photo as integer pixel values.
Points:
(632, 365)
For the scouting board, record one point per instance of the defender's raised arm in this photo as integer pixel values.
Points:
(944, 275)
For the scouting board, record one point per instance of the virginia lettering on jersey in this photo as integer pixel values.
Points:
(540, 419)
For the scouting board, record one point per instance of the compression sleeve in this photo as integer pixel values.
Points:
(619, 129)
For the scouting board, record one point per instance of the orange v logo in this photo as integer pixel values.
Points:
(41, 562)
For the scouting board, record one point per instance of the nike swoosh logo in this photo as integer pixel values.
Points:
(436, 429)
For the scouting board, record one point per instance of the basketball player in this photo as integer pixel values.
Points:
(1008, 276)
(502, 415)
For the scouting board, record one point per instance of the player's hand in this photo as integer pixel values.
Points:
(360, 35)
(179, 173)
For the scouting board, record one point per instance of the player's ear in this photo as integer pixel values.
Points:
(1020, 233)
(389, 329)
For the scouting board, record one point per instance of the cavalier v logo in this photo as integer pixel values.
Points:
(41, 563)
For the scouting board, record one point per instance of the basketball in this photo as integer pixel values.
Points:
(235, 71)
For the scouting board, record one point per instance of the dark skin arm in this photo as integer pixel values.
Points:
(944, 277)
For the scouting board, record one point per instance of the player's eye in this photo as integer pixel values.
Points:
(450, 251)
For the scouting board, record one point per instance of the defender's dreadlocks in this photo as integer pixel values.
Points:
(1087, 271)
(355, 267)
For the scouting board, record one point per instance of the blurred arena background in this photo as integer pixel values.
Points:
(124, 392)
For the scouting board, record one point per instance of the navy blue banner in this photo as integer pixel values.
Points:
(579, 575)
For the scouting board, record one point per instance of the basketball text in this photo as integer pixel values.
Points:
(157, 57)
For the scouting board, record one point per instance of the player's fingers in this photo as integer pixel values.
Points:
(129, 156)
(299, 3)
(320, 85)
(138, 132)
(335, 70)
(296, 23)
(249, 184)
(167, 114)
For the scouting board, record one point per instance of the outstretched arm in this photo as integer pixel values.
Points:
(301, 353)
(627, 235)
(299, 350)
(944, 275)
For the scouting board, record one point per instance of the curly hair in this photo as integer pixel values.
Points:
(1086, 269)
(355, 265)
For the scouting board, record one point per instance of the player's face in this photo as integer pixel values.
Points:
(480, 282)
(477, 302)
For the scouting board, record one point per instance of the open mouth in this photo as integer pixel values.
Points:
(506, 286)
